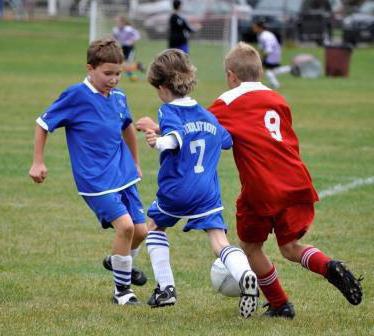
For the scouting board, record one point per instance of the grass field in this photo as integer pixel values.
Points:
(51, 279)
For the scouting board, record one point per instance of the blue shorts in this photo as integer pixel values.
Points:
(111, 206)
(212, 221)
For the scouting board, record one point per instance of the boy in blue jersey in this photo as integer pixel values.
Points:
(190, 141)
(103, 153)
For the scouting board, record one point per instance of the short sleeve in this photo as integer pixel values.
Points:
(127, 117)
(170, 123)
(59, 114)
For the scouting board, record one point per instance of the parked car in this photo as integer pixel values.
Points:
(207, 17)
(359, 26)
(306, 20)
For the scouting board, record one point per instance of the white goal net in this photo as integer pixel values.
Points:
(214, 21)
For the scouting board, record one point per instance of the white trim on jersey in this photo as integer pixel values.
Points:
(185, 101)
(42, 124)
(94, 90)
(111, 190)
(190, 216)
(90, 86)
(229, 96)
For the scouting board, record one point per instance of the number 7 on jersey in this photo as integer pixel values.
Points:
(194, 145)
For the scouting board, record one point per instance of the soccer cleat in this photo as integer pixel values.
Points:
(286, 310)
(343, 279)
(125, 297)
(138, 278)
(249, 294)
(162, 298)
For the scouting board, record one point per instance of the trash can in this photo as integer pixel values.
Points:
(337, 59)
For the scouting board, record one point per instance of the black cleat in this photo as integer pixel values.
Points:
(343, 279)
(249, 294)
(286, 310)
(138, 278)
(125, 297)
(163, 298)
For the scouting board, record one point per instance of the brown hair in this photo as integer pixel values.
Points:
(105, 50)
(173, 69)
(245, 62)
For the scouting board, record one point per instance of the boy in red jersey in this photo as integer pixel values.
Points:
(277, 193)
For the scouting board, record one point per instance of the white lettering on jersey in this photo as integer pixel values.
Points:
(200, 126)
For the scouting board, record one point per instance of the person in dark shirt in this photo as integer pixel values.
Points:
(179, 29)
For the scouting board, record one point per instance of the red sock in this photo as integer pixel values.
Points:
(314, 260)
(272, 289)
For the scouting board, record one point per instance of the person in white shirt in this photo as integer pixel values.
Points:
(271, 52)
(127, 35)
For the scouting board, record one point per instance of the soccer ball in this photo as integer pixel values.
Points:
(222, 280)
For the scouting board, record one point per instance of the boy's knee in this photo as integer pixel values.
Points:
(125, 228)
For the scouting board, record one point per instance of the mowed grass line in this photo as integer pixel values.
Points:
(51, 279)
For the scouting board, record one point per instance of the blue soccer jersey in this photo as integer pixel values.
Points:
(188, 180)
(100, 159)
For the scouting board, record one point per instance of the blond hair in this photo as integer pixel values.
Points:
(173, 70)
(245, 62)
(105, 50)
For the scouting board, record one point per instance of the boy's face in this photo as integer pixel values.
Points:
(105, 76)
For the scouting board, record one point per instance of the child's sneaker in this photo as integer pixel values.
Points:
(162, 298)
(343, 279)
(125, 296)
(249, 294)
(138, 278)
(286, 310)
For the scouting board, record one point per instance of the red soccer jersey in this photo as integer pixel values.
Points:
(266, 149)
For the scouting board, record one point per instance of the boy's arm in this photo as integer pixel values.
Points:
(129, 135)
(147, 123)
(38, 171)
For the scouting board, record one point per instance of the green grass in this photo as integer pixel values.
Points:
(51, 280)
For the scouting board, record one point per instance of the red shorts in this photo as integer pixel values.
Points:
(288, 225)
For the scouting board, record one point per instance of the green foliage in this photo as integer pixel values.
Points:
(51, 279)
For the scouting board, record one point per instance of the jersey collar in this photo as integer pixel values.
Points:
(91, 87)
(244, 87)
(185, 101)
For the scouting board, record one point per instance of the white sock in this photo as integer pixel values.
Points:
(235, 261)
(121, 270)
(158, 250)
(272, 79)
(282, 70)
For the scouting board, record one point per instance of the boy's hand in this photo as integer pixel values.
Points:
(151, 137)
(147, 123)
(38, 172)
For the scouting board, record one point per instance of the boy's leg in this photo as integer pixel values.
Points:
(268, 281)
(291, 225)
(237, 263)
(122, 260)
(158, 249)
(334, 271)
(138, 278)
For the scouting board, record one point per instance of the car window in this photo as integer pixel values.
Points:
(278, 6)
(367, 8)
